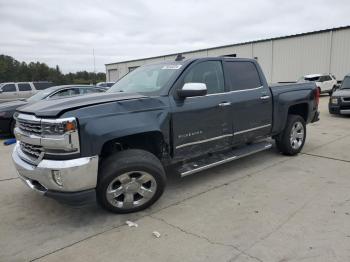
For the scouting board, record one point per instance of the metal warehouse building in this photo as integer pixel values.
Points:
(283, 59)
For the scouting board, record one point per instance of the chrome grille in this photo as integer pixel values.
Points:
(346, 99)
(31, 150)
(29, 127)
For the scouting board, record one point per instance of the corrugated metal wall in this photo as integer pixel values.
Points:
(282, 60)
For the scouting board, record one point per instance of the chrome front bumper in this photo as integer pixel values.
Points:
(76, 175)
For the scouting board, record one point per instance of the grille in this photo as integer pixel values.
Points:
(347, 99)
(31, 150)
(29, 127)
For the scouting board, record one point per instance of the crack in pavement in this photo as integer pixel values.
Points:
(8, 179)
(326, 157)
(212, 242)
(278, 227)
(168, 206)
(194, 196)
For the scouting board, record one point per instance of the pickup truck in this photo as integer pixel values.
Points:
(188, 116)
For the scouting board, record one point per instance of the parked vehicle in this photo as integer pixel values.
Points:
(325, 82)
(339, 102)
(8, 109)
(13, 91)
(105, 84)
(188, 115)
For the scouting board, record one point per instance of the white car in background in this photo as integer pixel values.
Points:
(21, 90)
(325, 82)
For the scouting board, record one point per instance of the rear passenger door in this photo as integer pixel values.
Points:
(24, 90)
(251, 101)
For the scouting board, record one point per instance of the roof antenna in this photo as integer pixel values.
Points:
(179, 57)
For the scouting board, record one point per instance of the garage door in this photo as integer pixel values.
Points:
(113, 75)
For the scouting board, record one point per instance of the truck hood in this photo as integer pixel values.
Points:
(341, 92)
(54, 108)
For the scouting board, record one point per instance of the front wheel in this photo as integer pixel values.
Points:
(292, 139)
(130, 181)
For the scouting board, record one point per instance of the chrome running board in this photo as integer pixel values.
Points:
(222, 158)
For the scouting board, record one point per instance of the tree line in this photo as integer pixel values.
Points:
(12, 70)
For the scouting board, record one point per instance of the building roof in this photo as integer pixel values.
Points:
(237, 44)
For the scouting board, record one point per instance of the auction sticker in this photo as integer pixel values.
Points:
(172, 67)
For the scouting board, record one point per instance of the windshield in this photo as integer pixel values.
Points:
(316, 78)
(146, 79)
(346, 83)
(42, 94)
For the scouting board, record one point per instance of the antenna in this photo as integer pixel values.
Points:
(94, 77)
(93, 55)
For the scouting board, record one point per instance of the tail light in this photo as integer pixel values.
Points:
(317, 95)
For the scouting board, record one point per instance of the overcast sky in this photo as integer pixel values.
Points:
(65, 32)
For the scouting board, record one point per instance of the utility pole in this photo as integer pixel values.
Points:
(93, 55)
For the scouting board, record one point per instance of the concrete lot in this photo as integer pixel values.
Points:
(266, 207)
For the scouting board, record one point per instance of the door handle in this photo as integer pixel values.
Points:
(225, 104)
(264, 97)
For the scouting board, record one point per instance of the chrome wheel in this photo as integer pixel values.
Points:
(297, 135)
(131, 189)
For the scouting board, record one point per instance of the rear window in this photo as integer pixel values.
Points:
(9, 88)
(42, 85)
(243, 75)
(24, 87)
(312, 79)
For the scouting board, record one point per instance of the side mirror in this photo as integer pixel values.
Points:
(192, 89)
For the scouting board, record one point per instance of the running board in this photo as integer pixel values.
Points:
(221, 158)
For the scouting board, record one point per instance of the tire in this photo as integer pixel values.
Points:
(123, 175)
(292, 139)
(12, 127)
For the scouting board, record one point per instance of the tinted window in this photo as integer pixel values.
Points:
(327, 78)
(243, 75)
(209, 73)
(42, 85)
(66, 93)
(24, 87)
(89, 90)
(316, 78)
(9, 88)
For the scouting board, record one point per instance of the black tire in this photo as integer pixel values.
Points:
(12, 127)
(283, 141)
(130, 162)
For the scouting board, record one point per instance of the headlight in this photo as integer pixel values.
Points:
(60, 136)
(58, 126)
(334, 101)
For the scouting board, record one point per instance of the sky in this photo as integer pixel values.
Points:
(65, 32)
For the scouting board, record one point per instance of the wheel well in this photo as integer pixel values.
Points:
(149, 141)
(299, 109)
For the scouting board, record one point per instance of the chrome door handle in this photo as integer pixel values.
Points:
(225, 104)
(264, 97)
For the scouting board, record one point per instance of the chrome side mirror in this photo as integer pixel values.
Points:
(192, 89)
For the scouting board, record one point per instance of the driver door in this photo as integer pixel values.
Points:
(201, 124)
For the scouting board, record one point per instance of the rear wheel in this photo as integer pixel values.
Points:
(130, 181)
(292, 139)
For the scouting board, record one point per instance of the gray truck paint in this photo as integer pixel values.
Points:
(188, 127)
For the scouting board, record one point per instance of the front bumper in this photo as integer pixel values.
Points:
(339, 109)
(78, 176)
